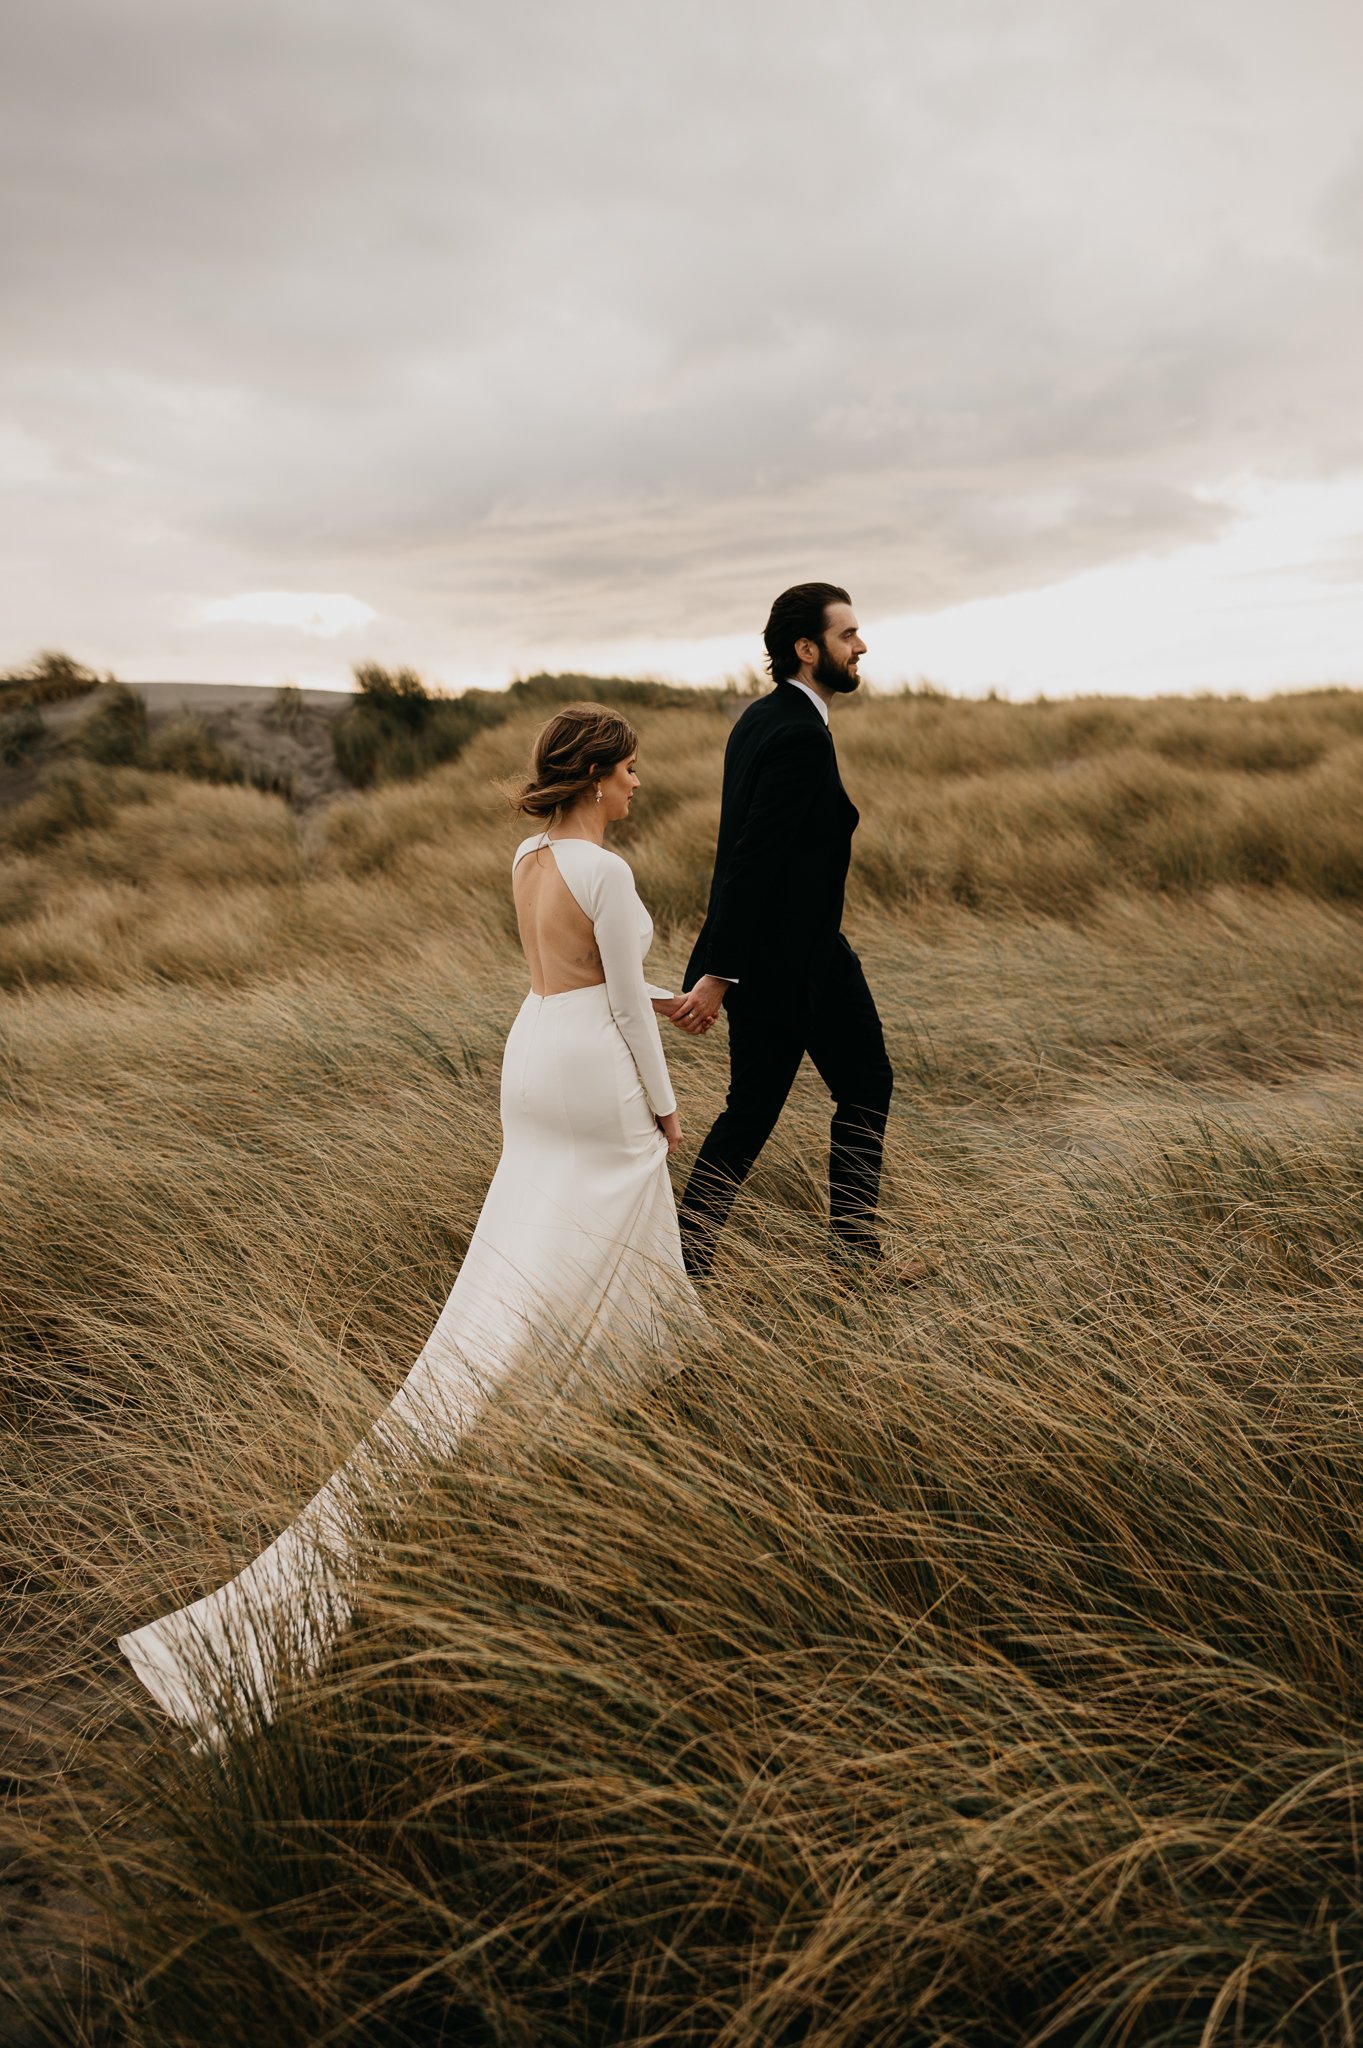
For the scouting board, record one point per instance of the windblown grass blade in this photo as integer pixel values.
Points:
(977, 1665)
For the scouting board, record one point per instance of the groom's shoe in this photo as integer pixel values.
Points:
(870, 1261)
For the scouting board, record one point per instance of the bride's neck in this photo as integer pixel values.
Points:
(584, 821)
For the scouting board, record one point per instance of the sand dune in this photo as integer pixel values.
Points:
(244, 717)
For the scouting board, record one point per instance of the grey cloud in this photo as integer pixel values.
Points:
(530, 323)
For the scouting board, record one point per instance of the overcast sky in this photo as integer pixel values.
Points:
(490, 337)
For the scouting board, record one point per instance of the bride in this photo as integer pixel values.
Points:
(576, 1253)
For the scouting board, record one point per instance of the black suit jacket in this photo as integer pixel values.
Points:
(785, 841)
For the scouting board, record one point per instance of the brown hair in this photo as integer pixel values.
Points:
(578, 740)
(800, 613)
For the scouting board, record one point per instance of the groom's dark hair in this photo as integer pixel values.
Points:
(800, 613)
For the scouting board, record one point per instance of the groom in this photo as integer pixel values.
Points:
(771, 950)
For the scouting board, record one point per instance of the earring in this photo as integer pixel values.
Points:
(598, 792)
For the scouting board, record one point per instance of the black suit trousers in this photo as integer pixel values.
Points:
(770, 1031)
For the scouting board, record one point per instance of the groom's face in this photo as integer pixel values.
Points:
(841, 649)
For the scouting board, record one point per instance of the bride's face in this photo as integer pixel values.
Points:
(617, 788)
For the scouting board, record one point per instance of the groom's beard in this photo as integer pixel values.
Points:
(834, 677)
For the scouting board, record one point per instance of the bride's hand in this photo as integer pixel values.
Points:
(670, 1126)
(698, 1009)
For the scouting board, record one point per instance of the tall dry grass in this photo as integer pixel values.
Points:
(975, 1666)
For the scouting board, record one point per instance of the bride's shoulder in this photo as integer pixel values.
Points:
(617, 866)
(589, 854)
(606, 874)
(529, 845)
(593, 866)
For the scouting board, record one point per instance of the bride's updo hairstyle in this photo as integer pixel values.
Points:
(573, 751)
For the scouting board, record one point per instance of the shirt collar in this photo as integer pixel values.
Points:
(815, 699)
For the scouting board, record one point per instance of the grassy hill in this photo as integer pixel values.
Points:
(277, 740)
(981, 1666)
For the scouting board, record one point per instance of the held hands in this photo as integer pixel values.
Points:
(697, 1010)
(670, 1126)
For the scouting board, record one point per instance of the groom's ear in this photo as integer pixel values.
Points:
(808, 651)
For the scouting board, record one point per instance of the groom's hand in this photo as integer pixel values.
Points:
(699, 1007)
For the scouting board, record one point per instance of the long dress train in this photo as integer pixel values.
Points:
(576, 1249)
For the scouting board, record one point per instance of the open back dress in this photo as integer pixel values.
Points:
(574, 1268)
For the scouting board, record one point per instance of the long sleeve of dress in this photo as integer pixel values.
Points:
(603, 887)
(616, 913)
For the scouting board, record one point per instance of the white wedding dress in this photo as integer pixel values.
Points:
(575, 1268)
